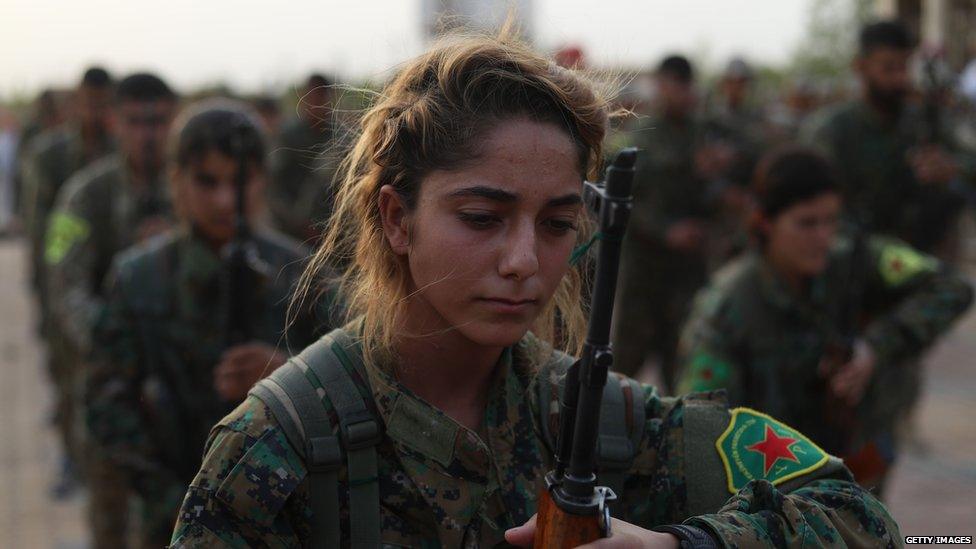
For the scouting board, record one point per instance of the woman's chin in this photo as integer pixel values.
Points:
(495, 334)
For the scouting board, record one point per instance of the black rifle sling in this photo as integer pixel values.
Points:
(298, 408)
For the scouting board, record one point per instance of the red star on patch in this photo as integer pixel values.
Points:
(774, 447)
(897, 265)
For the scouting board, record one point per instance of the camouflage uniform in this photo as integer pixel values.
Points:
(749, 333)
(303, 163)
(52, 157)
(743, 129)
(96, 215)
(150, 396)
(656, 282)
(443, 485)
(880, 190)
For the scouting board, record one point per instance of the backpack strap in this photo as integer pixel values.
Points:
(621, 426)
(616, 444)
(298, 408)
(360, 433)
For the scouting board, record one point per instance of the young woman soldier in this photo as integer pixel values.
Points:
(458, 214)
(822, 329)
(165, 368)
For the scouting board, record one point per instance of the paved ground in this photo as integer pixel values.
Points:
(933, 492)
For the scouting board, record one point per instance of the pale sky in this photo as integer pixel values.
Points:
(262, 45)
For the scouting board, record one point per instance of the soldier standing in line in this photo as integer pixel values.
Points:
(103, 209)
(47, 115)
(420, 423)
(304, 162)
(731, 115)
(51, 159)
(897, 162)
(665, 250)
(811, 323)
(162, 374)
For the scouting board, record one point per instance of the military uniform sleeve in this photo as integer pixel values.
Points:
(70, 255)
(246, 493)
(822, 513)
(921, 299)
(706, 352)
(750, 481)
(35, 204)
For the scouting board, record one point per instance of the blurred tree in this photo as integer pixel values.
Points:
(831, 38)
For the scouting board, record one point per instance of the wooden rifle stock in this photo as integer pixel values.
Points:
(558, 529)
(572, 509)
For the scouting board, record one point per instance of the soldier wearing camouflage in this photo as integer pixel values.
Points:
(304, 163)
(159, 379)
(57, 154)
(766, 327)
(103, 209)
(431, 407)
(664, 257)
(901, 171)
(444, 485)
(51, 158)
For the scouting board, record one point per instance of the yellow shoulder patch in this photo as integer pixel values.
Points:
(899, 263)
(63, 232)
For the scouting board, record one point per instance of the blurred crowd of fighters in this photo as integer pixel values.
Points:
(819, 232)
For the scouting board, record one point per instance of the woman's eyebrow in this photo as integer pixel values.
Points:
(566, 200)
(490, 193)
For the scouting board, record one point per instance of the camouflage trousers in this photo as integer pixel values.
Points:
(654, 294)
(108, 502)
(108, 488)
(66, 391)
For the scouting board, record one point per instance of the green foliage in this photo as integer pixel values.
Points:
(831, 38)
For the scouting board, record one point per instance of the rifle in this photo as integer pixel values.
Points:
(573, 509)
(935, 206)
(237, 271)
(240, 259)
(839, 415)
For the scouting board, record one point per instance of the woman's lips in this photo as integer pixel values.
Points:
(508, 306)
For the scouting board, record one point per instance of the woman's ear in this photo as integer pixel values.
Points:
(393, 214)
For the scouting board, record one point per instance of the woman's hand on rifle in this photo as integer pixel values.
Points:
(624, 536)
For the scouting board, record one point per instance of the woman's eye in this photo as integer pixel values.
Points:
(560, 226)
(479, 220)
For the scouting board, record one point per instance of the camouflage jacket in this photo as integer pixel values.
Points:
(443, 485)
(749, 333)
(303, 165)
(52, 157)
(666, 188)
(150, 401)
(97, 214)
(743, 129)
(880, 190)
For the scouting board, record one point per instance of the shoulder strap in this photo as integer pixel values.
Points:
(704, 421)
(616, 446)
(299, 410)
